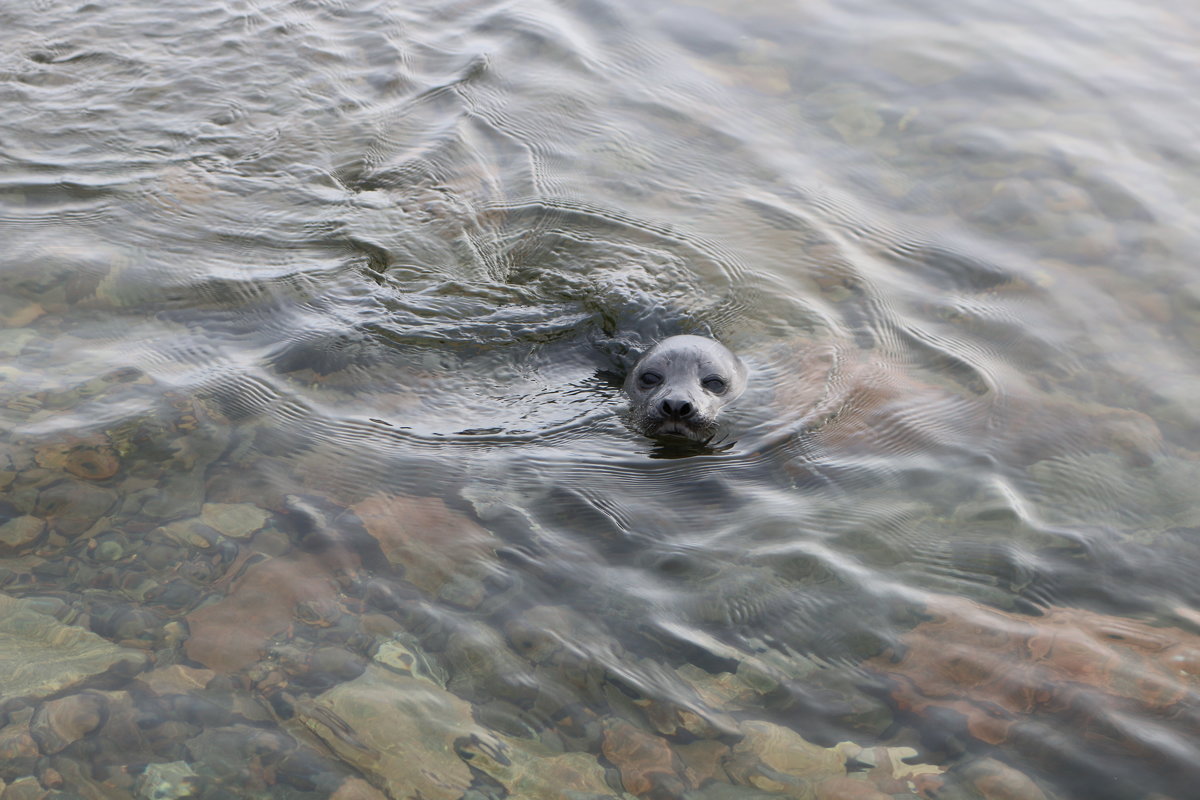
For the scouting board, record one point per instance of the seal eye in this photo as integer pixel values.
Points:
(650, 379)
(714, 384)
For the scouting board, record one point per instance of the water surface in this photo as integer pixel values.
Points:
(315, 316)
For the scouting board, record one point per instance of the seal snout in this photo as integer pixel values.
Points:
(677, 409)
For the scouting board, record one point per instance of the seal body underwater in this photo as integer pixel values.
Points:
(680, 385)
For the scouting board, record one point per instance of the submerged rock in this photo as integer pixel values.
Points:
(25, 789)
(177, 679)
(40, 656)
(18, 750)
(778, 759)
(482, 666)
(93, 463)
(357, 789)
(646, 762)
(58, 723)
(91, 458)
(20, 532)
(1001, 677)
(433, 544)
(236, 520)
(233, 632)
(72, 507)
(528, 769)
(169, 781)
(398, 731)
(243, 758)
(404, 655)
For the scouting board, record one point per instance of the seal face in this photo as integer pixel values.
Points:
(679, 387)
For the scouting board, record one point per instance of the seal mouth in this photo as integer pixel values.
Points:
(677, 429)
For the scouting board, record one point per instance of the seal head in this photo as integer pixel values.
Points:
(679, 387)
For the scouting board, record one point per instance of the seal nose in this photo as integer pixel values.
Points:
(677, 409)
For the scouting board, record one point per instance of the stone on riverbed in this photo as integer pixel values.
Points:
(441, 551)
(398, 731)
(177, 679)
(237, 520)
(40, 656)
(233, 632)
(20, 532)
(72, 507)
(168, 781)
(58, 723)
(777, 759)
(528, 769)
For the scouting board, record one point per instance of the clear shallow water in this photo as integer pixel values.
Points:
(314, 321)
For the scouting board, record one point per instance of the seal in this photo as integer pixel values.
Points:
(680, 385)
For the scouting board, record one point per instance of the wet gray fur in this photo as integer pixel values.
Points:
(680, 385)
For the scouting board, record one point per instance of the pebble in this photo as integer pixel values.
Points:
(109, 550)
(72, 507)
(18, 750)
(232, 633)
(357, 789)
(645, 761)
(190, 532)
(403, 655)
(20, 532)
(58, 723)
(92, 463)
(236, 520)
(177, 679)
(169, 781)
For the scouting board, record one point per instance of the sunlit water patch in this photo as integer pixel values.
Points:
(319, 482)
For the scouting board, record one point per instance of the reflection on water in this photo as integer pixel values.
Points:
(317, 480)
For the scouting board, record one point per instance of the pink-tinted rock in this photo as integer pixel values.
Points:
(91, 458)
(58, 723)
(997, 669)
(432, 543)
(232, 633)
(645, 761)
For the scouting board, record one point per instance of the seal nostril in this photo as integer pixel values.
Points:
(677, 409)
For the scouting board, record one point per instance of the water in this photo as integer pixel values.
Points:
(315, 316)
